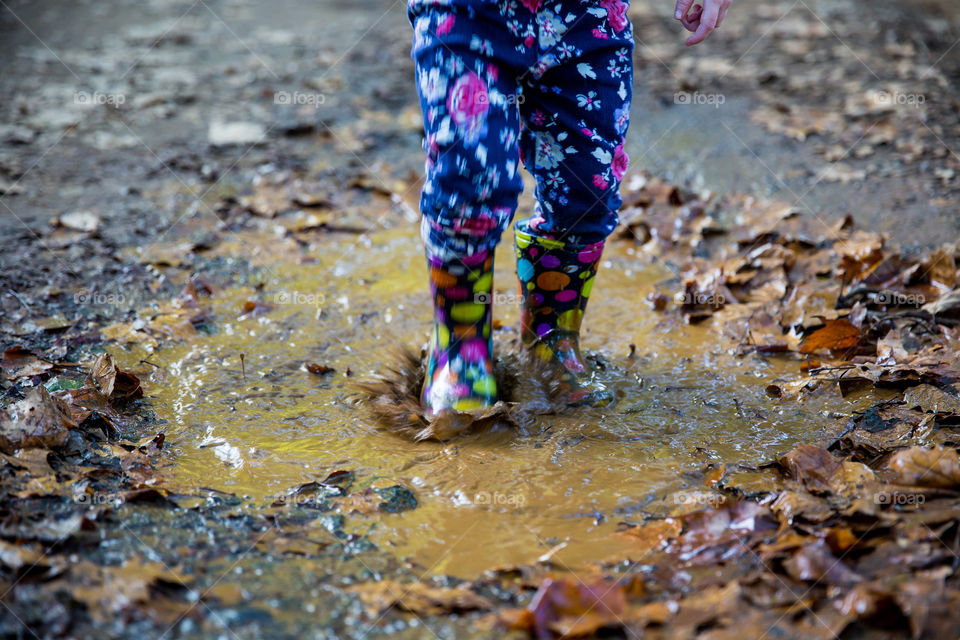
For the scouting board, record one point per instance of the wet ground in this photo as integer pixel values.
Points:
(569, 478)
(160, 121)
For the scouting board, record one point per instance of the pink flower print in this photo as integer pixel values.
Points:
(531, 5)
(445, 25)
(616, 14)
(620, 162)
(598, 181)
(599, 34)
(479, 225)
(468, 102)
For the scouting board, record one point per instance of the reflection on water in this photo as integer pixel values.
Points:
(489, 499)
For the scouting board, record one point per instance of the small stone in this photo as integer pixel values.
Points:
(229, 133)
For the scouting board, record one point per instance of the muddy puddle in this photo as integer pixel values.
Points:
(261, 427)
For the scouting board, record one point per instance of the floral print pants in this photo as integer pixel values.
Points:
(508, 81)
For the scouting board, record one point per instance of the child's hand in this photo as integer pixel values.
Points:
(701, 20)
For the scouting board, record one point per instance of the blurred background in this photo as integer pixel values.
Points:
(836, 106)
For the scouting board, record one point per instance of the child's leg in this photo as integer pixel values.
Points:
(575, 117)
(470, 192)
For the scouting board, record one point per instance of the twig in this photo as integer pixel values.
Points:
(20, 300)
(243, 368)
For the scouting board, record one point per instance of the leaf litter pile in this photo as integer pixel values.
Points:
(857, 533)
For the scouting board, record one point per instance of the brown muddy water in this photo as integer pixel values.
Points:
(490, 499)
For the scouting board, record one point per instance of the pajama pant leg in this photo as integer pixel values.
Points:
(467, 90)
(575, 117)
(567, 64)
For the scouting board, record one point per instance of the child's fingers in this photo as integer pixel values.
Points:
(691, 21)
(682, 7)
(708, 21)
(723, 14)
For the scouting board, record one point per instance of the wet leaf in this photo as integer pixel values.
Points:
(811, 465)
(256, 308)
(816, 563)
(931, 400)
(936, 467)
(19, 362)
(39, 420)
(836, 335)
(319, 369)
(112, 382)
(575, 608)
(653, 534)
(418, 598)
(107, 591)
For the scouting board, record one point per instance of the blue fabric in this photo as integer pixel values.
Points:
(501, 81)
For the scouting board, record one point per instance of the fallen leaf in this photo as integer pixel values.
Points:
(835, 335)
(816, 563)
(112, 382)
(936, 467)
(417, 598)
(812, 465)
(930, 399)
(19, 362)
(39, 420)
(319, 369)
(574, 608)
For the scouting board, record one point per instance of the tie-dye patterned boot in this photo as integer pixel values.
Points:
(555, 282)
(460, 364)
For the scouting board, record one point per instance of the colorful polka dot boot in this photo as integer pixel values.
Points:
(460, 365)
(555, 282)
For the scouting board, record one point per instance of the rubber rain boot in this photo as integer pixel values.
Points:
(460, 365)
(555, 282)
